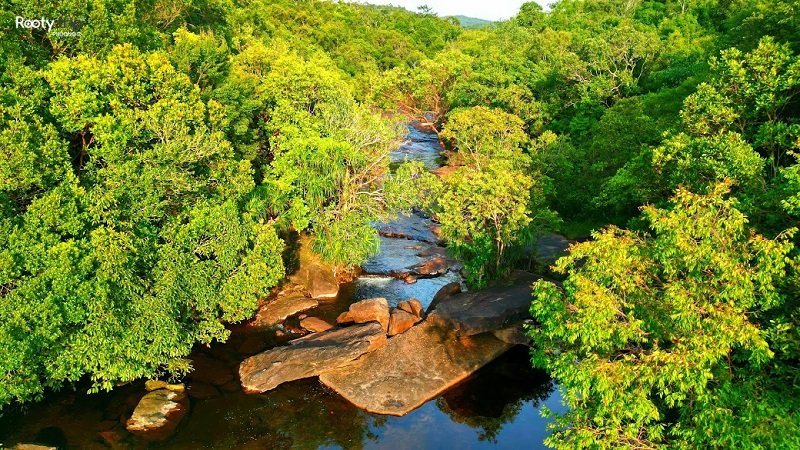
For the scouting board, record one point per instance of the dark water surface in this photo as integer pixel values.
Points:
(498, 407)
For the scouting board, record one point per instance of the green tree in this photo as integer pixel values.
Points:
(139, 234)
(665, 338)
(494, 203)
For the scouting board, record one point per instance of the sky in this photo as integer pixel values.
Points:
(482, 9)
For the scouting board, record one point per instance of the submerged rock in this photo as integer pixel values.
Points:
(201, 391)
(490, 309)
(309, 356)
(370, 310)
(158, 414)
(283, 306)
(412, 368)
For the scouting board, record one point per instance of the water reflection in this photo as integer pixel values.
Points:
(496, 408)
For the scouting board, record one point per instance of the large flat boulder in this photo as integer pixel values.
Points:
(283, 306)
(308, 356)
(471, 313)
(158, 414)
(412, 368)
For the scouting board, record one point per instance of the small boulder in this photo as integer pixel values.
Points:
(315, 324)
(370, 310)
(158, 414)
(401, 321)
(410, 279)
(434, 267)
(111, 437)
(411, 306)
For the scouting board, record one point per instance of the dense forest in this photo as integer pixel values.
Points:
(159, 155)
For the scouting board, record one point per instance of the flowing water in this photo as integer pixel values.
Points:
(498, 407)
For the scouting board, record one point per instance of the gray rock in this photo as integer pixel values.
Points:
(447, 291)
(472, 313)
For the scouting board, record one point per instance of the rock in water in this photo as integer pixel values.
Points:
(401, 321)
(282, 307)
(434, 267)
(370, 310)
(412, 368)
(308, 356)
(315, 324)
(490, 309)
(158, 414)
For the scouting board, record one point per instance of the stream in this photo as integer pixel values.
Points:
(497, 407)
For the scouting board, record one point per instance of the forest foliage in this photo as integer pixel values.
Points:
(155, 165)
